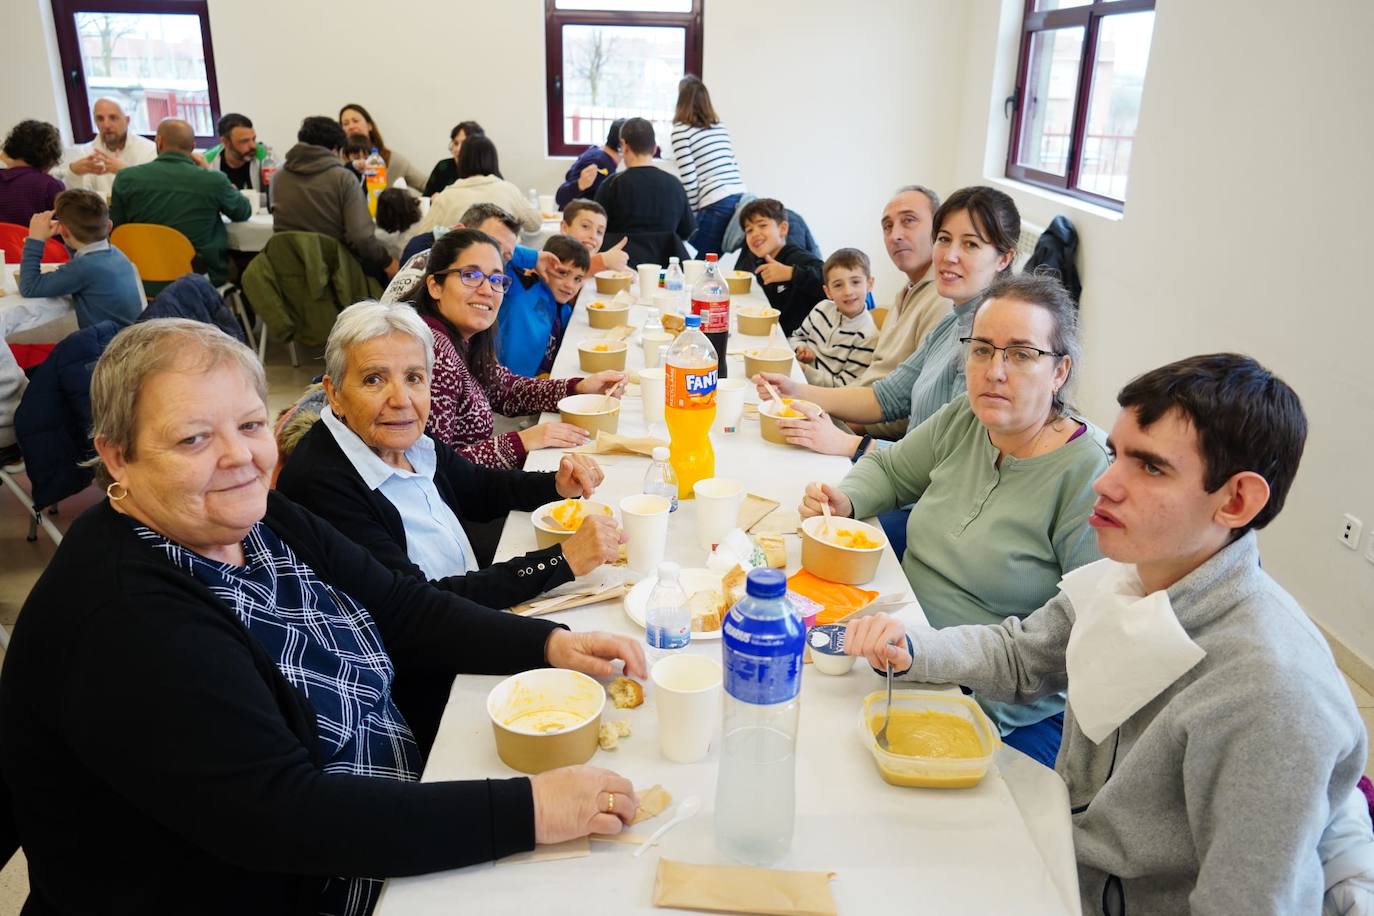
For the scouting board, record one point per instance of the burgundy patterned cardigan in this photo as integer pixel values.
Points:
(461, 405)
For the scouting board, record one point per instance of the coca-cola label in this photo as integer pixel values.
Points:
(715, 315)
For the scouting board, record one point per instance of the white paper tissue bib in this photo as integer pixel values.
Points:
(1125, 647)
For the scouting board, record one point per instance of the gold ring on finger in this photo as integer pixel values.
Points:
(610, 803)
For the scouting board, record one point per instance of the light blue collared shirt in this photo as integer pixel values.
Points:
(435, 539)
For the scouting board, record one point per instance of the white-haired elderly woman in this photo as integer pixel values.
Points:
(197, 710)
(369, 469)
(1001, 478)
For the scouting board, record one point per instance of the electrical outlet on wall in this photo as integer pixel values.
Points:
(1351, 528)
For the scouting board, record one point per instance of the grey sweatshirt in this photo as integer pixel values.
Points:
(1211, 799)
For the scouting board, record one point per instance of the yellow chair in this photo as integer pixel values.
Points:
(160, 253)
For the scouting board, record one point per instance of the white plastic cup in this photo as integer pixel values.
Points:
(687, 695)
(648, 281)
(251, 196)
(547, 204)
(729, 404)
(667, 302)
(653, 343)
(718, 501)
(692, 272)
(644, 518)
(652, 383)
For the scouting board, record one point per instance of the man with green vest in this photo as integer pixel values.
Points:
(238, 154)
(174, 191)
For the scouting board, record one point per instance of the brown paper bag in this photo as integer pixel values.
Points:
(571, 849)
(779, 522)
(731, 889)
(615, 444)
(541, 606)
(753, 509)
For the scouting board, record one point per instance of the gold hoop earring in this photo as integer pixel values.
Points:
(109, 491)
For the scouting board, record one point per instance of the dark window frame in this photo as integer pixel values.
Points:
(1089, 18)
(555, 19)
(74, 70)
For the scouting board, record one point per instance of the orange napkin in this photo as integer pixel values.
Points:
(839, 601)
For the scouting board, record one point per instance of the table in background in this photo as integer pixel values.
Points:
(1004, 846)
(20, 313)
(252, 234)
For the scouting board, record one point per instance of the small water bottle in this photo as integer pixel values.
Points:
(667, 619)
(660, 480)
(673, 281)
(652, 321)
(762, 639)
(533, 196)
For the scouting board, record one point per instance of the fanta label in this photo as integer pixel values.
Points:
(689, 388)
(715, 315)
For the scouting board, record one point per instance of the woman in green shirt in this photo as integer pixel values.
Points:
(1001, 478)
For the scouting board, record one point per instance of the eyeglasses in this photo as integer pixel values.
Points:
(979, 352)
(472, 278)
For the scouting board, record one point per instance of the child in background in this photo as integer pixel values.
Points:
(835, 341)
(398, 216)
(536, 308)
(355, 153)
(585, 220)
(102, 282)
(790, 275)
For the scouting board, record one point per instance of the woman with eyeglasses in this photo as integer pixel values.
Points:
(461, 294)
(1001, 478)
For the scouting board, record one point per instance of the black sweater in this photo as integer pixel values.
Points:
(319, 476)
(797, 297)
(158, 762)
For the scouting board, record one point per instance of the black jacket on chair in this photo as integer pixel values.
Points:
(319, 476)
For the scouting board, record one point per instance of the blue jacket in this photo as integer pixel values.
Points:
(53, 422)
(530, 321)
(191, 296)
(102, 282)
(568, 191)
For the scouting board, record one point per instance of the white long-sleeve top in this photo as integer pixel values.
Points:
(705, 159)
(843, 346)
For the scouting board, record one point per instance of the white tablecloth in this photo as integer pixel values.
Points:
(251, 234)
(18, 313)
(1002, 847)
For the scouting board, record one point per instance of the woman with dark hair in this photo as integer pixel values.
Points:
(30, 151)
(706, 164)
(480, 182)
(445, 170)
(461, 294)
(975, 233)
(356, 122)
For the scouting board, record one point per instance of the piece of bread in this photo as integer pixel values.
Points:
(707, 608)
(626, 693)
(774, 550)
(610, 733)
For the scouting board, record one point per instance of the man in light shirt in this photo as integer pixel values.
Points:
(114, 148)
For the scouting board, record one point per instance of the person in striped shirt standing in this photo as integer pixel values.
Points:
(835, 341)
(706, 164)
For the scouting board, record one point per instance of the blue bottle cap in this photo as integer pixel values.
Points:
(766, 583)
(693, 321)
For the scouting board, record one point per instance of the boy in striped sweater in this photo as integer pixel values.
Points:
(834, 343)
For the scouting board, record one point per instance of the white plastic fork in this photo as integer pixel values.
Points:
(686, 810)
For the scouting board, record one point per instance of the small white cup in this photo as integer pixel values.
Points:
(547, 204)
(652, 383)
(687, 695)
(729, 404)
(645, 520)
(653, 342)
(251, 196)
(648, 281)
(692, 272)
(667, 302)
(718, 501)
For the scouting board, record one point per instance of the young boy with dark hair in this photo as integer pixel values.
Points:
(834, 343)
(535, 311)
(790, 275)
(585, 220)
(102, 282)
(355, 153)
(1210, 743)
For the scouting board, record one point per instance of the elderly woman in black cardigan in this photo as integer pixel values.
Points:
(196, 711)
(369, 469)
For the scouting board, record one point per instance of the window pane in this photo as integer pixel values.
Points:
(1123, 47)
(1042, 6)
(153, 64)
(614, 72)
(1051, 90)
(627, 6)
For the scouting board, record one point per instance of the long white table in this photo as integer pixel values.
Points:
(252, 234)
(1002, 847)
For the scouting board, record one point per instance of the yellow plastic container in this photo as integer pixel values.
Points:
(929, 771)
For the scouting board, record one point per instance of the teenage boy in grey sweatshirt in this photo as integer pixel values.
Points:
(1203, 763)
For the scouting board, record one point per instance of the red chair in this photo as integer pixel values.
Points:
(12, 244)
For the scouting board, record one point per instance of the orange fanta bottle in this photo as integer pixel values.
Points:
(689, 406)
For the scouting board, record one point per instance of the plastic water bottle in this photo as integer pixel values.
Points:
(689, 406)
(533, 197)
(761, 647)
(673, 281)
(711, 300)
(660, 480)
(374, 168)
(652, 321)
(667, 619)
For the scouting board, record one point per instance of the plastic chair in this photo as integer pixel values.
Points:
(160, 253)
(12, 244)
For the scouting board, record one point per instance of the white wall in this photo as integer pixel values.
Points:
(1247, 227)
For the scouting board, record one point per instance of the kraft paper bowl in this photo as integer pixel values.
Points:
(767, 359)
(740, 282)
(594, 360)
(547, 536)
(846, 565)
(606, 315)
(592, 412)
(756, 322)
(610, 282)
(768, 420)
(520, 704)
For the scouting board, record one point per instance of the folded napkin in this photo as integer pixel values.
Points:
(786, 522)
(619, 332)
(547, 605)
(731, 889)
(839, 601)
(570, 849)
(753, 509)
(615, 444)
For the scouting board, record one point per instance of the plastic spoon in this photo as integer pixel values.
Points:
(881, 736)
(685, 811)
